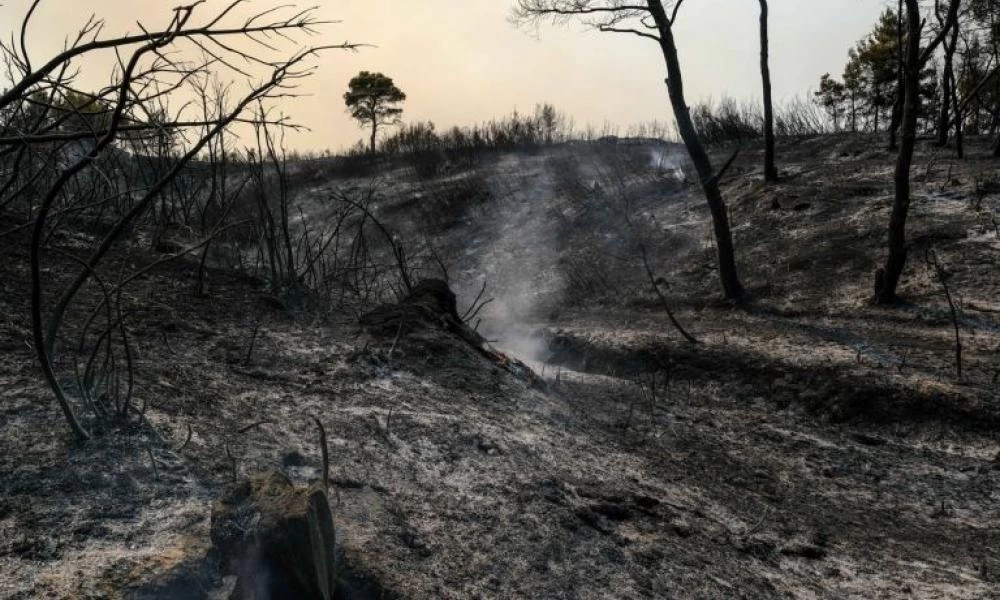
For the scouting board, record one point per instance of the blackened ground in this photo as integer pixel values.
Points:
(811, 446)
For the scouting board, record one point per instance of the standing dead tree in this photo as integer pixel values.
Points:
(59, 160)
(887, 278)
(770, 169)
(948, 82)
(897, 104)
(654, 20)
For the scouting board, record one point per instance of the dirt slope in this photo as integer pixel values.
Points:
(812, 446)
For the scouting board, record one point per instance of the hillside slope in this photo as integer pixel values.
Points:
(810, 446)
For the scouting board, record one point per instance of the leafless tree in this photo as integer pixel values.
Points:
(887, 278)
(59, 159)
(770, 169)
(654, 20)
(897, 104)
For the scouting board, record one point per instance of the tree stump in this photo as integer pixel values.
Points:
(276, 538)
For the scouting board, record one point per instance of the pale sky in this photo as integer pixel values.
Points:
(462, 62)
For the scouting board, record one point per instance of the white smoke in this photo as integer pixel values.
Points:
(518, 260)
(666, 163)
(540, 205)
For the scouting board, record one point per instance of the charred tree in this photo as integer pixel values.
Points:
(106, 133)
(887, 278)
(956, 107)
(728, 272)
(897, 105)
(650, 20)
(944, 117)
(950, 110)
(770, 169)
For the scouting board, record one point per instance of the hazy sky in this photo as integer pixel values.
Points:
(462, 62)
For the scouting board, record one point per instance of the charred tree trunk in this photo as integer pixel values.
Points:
(887, 279)
(953, 87)
(876, 109)
(897, 105)
(944, 118)
(948, 92)
(854, 112)
(959, 116)
(728, 273)
(770, 169)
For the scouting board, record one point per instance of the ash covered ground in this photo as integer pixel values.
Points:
(810, 446)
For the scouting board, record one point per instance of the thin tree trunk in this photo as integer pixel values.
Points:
(897, 105)
(956, 107)
(374, 132)
(770, 170)
(854, 112)
(199, 289)
(728, 273)
(876, 109)
(944, 118)
(887, 278)
(947, 90)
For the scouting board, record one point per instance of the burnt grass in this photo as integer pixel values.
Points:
(811, 445)
(832, 392)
